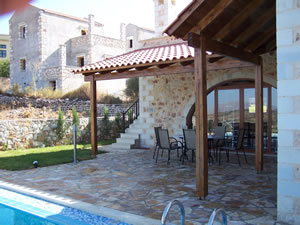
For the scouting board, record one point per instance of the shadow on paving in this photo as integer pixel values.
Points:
(130, 181)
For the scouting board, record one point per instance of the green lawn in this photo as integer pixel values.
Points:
(22, 159)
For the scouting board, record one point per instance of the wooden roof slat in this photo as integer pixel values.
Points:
(261, 39)
(238, 18)
(259, 22)
(213, 14)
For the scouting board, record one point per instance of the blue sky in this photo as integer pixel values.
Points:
(109, 12)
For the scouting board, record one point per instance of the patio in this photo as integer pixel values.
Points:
(130, 181)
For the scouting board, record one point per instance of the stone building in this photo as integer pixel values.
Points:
(47, 46)
(4, 46)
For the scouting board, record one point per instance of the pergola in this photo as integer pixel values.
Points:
(216, 26)
(239, 29)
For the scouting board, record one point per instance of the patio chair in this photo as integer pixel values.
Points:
(219, 141)
(189, 137)
(157, 140)
(239, 146)
(165, 143)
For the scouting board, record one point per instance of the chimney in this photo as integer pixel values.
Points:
(123, 32)
(91, 24)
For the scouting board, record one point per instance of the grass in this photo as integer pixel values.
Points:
(22, 159)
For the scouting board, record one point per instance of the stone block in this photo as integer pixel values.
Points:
(282, 5)
(289, 121)
(288, 54)
(285, 138)
(285, 172)
(288, 19)
(285, 71)
(284, 204)
(296, 206)
(289, 88)
(288, 188)
(296, 172)
(285, 104)
(285, 37)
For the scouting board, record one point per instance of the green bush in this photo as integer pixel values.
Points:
(118, 128)
(75, 116)
(110, 99)
(105, 127)
(60, 128)
(4, 68)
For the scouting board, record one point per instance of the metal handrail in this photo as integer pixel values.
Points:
(168, 207)
(214, 214)
(135, 113)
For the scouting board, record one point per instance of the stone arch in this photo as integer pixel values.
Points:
(189, 108)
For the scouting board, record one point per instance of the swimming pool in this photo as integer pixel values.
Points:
(16, 208)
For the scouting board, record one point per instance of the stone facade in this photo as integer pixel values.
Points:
(166, 100)
(27, 133)
(46, 42)
(288, 48)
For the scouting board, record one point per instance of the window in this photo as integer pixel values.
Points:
(130, 43)
(22, 64)
(3, 46)
(84, 32)
(2, 53)
(80, 61)
(52, 84)
(22, 31)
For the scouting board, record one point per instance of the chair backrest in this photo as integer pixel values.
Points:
(220, 131)
(240, 139)
(163, 136)
(156, 134)
(189, 138)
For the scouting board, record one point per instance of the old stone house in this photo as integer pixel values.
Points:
(47, 46)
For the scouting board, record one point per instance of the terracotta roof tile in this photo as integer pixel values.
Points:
(142, 57)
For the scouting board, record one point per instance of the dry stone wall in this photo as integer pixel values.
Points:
(26, 133)
(64, 104)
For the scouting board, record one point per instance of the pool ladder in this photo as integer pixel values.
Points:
(182, 214)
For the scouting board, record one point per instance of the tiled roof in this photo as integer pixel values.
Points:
(143, 57)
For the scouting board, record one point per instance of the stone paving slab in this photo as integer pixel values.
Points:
(130, 181)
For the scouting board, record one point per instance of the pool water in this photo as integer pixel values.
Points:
(19, 209)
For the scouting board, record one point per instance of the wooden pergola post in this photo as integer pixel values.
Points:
(93, 91)
(201, 118)
(259, 142)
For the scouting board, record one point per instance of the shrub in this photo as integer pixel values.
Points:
(118, 128)
(28, 91)
(132, 88)
(110, 99)
(49, 93)
(75, 116)
(80, 93)
(17, 90)
(60, 128)
(106, 125)
(4, 68)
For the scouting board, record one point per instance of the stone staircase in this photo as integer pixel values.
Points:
(131, 138)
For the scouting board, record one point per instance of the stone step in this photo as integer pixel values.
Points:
(134, 131)
(129, 141)
(120, 146)
(130, 135)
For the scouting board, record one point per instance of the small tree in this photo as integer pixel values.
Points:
(60, 128)
(4, 68)
(106, 125)
(118, 124)
(132, 88)
(75, 116)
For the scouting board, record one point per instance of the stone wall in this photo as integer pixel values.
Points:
(166, 100)
(64, 104)
(26, 133)
(288, 57)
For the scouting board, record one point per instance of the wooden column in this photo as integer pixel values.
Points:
(259, 144)
(93, 98)
(201, 119)
(216, 114)
(242, 108)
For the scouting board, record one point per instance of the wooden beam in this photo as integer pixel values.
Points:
(223, 49)
(259, 148)
(93, 94)
(211, 15)
(261, 21)
(201, 120)
(238, 19)
(215, 59)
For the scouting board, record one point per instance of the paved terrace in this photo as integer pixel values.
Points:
(130, 181)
